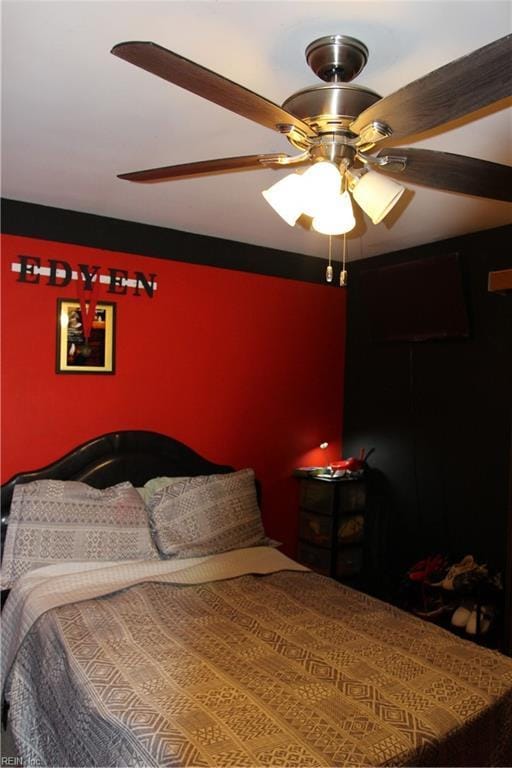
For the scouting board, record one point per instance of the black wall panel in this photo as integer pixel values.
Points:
(438, 413)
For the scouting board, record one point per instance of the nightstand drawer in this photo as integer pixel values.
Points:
(349, 562)
(317, 496)
(330, 498)
(352, 497)
(351, 529)
(314, 557)
(316, 529)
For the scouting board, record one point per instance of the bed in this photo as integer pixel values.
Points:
(222, 653)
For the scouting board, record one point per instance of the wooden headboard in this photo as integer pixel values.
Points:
(134, 455)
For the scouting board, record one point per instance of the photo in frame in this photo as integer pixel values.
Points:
(75, 353)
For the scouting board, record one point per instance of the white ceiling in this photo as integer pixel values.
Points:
(73, 115)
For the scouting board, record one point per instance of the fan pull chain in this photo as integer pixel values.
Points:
(343, 273)
(329, 272)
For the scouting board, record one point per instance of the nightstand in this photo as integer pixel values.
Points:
(332, 527)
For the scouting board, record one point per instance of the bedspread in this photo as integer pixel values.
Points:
(288, 669)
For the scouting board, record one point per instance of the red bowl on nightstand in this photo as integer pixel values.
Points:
(352, 464)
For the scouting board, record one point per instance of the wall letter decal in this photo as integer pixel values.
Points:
(148, 285)
(59, 280)
(60, 273)
(118, 278)
(88, 276)
(26, 268)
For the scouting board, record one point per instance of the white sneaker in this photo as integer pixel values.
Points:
(486, 615)
(462, 615)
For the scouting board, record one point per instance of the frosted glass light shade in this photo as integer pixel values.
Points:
(286, 197)
(376, 194)
(321, 184)
(337, 217)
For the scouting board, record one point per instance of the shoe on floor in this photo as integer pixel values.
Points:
(462, 615)
(466, 565)
(486, 616)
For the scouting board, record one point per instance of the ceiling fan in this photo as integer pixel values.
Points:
(343, 124)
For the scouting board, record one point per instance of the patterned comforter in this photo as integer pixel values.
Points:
(281, 669)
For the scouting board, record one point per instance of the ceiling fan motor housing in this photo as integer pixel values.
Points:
(330, 108)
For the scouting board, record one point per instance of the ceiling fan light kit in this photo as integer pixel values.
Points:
(336, 126)
(285, 197)
(317, 194)
(321, 184)
(336, 218)
(375, 194)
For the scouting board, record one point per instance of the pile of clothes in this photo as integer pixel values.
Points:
(466, 589)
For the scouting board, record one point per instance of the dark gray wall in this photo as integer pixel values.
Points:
(438, 414)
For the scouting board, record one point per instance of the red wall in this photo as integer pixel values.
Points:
(244, 368)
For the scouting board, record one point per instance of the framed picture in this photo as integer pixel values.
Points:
(75, 354)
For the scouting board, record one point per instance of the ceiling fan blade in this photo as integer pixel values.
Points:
(206, 167)
(457, 89)
(203, 82)
(454, 173)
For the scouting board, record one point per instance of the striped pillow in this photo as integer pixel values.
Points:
(206, 515)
